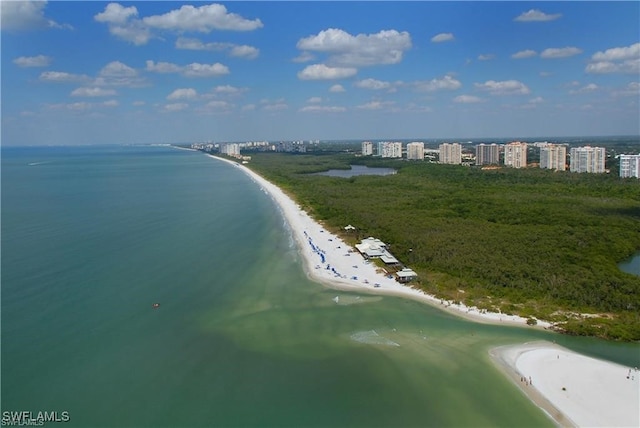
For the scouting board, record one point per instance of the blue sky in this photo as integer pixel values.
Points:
(163, 72)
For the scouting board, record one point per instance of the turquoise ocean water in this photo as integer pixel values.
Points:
(93, 236)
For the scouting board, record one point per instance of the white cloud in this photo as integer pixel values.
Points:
(618, 54)
(545, 74)
(32, 61)
(198, 45)
(63, 77)
(219, 105)
(632, 89)
(585, 89)
(527, 53)
(616, 60)
(535, 15)
(240, 51)
(605, 67)
(175, 107)
(442, 37)
(26, 15)
(138, 103)
(228, 89)
(486, 57)
(304, 57)
(92, 92)
(162, 67)
(124, 23)
(337, 88)
(467, 99)
(346, 50)
(248, 107)
(115, 13)
(117, 73)
(505, 87)
(322, 72)
(205, 70)
(314, 100)
(536, 100)
(183, 94)
(446, 83)
(375, 105)
(372, 84)
(202, 19)
(323, 109)
(190, 70)
(117, 69)
(551, 53)
(245, 51)
(111, 103)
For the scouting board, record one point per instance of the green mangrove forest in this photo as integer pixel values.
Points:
(537, 243)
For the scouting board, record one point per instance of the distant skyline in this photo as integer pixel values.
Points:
(168, 72)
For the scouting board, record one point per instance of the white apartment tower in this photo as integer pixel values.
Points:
(553, 156)
(630, 166)
(389, 150)
(587, 159)
(415, 151)
(367, 148)
(450, 153)
(487, 154)
(515, 155)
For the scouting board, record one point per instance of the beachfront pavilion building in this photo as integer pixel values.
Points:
(587, 159)
(367, 148)
(630, 166)
(487, 154)
(415, 151)
(553, 156)
(373, 248)
(406, 275)
(515, 155)
(450, 153)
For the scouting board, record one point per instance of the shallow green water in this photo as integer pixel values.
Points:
(91, 237)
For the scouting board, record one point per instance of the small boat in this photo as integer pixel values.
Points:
(156, 305)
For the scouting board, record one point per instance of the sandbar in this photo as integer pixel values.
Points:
(573, 389)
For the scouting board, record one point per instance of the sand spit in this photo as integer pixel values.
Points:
(573, 389)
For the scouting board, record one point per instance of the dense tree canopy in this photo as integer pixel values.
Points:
(530, 241)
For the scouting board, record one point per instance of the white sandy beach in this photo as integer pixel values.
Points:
(329, 260)
(597, 393)
(575, 390)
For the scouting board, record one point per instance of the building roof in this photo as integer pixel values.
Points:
(406, 273)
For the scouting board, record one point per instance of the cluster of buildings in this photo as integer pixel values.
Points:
(372, 248)
(585, 159)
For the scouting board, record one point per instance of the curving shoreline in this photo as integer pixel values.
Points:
(320, 248)
(595, 399)
(573, 389)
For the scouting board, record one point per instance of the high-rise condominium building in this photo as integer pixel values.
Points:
(487, 154)
(451, 153)
(630, 166)
(367, 148)
(230, 149)
(389, 150)
(587, 159)
(515, 155)
(415, 151)
(553, 156)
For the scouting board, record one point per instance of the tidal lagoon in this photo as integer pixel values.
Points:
(92, 237)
